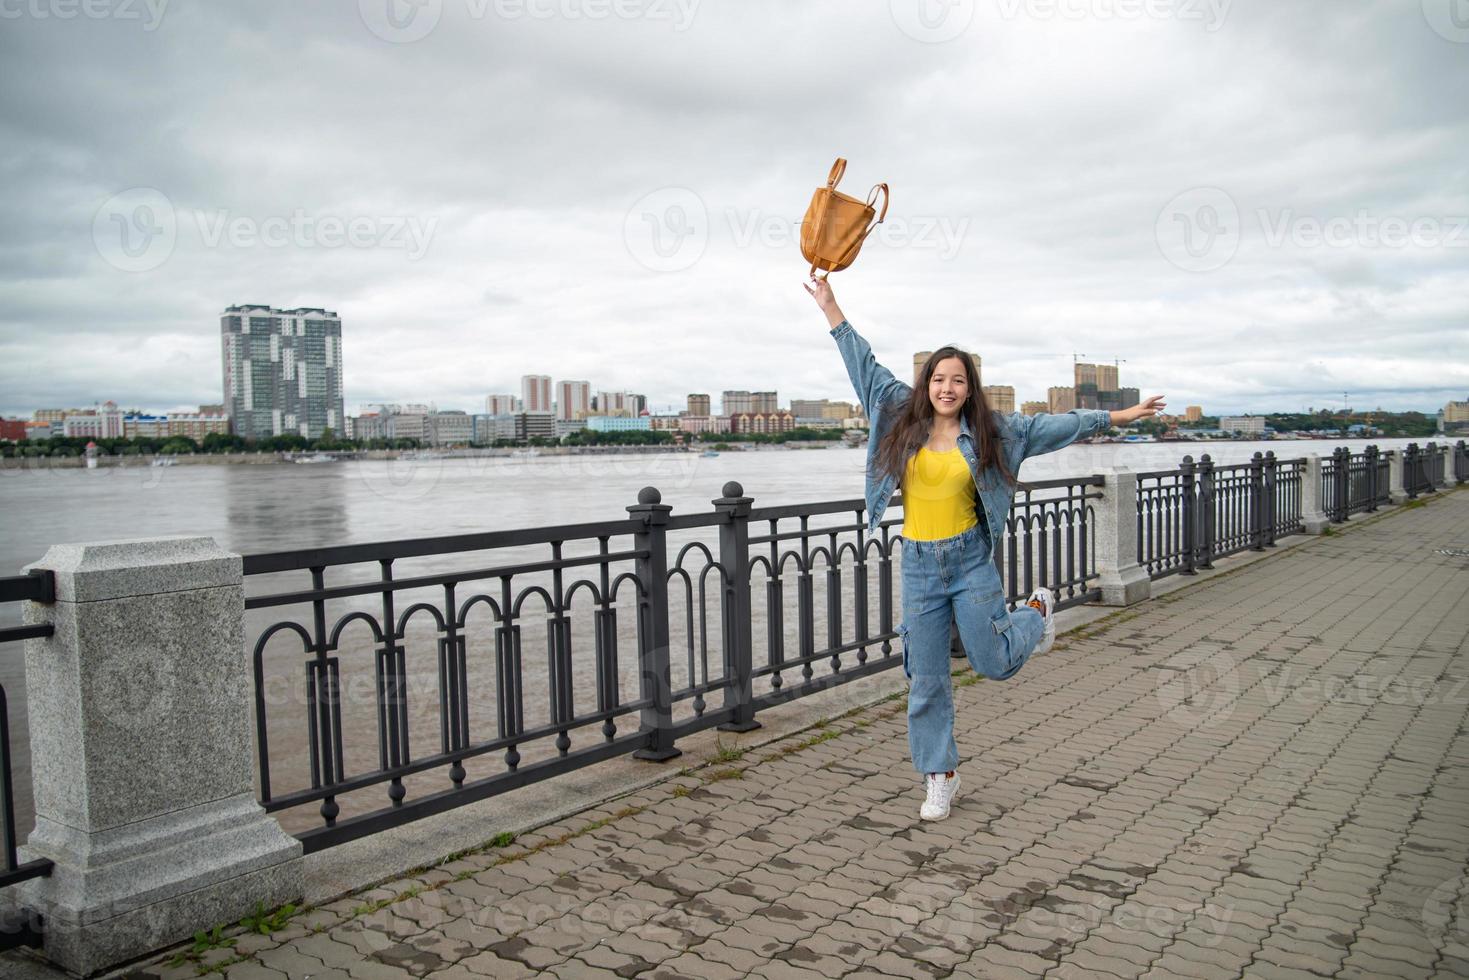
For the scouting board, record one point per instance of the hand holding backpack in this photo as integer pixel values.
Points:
(836, 225)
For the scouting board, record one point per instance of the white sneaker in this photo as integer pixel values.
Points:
(941, 790)
(1047, 600)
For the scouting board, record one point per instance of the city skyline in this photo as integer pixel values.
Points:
(1243, 264)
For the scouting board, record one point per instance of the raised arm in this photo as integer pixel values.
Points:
(873, 383)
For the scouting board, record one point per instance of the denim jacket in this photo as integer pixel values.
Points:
(1021, 436)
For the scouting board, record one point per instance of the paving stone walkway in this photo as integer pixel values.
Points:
(1266, 774)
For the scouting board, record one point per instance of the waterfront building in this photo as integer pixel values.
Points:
(13, 429)
(748, 402)
(282, 370)
(450, 428)
(1193, 413)
(1454, 418)
(615, 423)
(1247, 424)
(197, 425)
(698, 405)
(535, 392)
(1060, 400)
(501, 404)
(1130, 397)
(704, 423)
(762, 422)
(573, 399)
(1001, 398)
(1032, 408)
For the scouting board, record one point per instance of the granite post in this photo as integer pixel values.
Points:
(142, 759)
(1313, 514)
(1396, 490)
(1122, 580)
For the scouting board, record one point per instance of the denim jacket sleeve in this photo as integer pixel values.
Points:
(1045, 433)
(873, 383)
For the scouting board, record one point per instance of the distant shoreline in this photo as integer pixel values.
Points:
(138, 460)
(269, 459)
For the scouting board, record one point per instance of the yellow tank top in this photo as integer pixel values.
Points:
(938, 495)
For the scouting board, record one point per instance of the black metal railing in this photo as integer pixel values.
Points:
(1353, 483)
(1048, 540)
(656, 627)
(1461, 462)
(1189, 516)
(19, 927)
(1422, 469)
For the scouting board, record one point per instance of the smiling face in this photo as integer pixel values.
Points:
(948, 387)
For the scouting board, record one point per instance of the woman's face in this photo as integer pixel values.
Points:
(948, 387)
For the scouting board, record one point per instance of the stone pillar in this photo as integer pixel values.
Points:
(141, 753)
(1395, 492)
(1313, 514)
(1123, 581)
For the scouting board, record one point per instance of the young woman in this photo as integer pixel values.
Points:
(956, 462)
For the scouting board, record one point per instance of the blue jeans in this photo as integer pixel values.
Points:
(954, 579)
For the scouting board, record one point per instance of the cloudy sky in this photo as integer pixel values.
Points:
(1255, 205)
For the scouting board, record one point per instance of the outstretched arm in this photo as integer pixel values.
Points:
(1146, 410)
(1045, 433)
(873, 383)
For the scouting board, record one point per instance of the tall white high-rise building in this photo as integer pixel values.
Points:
(535, 392)
(573, 397)
(282, 371)
(501, 404)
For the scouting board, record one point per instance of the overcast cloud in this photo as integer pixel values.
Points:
(1258, 205)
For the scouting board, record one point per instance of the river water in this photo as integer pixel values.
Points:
(254, 509)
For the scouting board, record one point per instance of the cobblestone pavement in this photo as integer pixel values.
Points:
(1265, 774)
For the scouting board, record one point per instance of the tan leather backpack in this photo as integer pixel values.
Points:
(836, 225)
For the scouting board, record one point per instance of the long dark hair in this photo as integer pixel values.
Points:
(909, 424)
